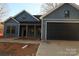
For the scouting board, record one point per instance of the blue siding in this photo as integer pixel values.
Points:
(11, 22)
(59, 13)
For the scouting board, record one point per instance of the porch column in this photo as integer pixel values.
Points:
(26, 31)
(45, 30)
(10, 31)
(18, 30)
(42, 30)
(35, 31)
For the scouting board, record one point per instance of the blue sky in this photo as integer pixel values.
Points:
(32, 8)
(15, 8)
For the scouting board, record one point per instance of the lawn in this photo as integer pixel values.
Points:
(18, 49)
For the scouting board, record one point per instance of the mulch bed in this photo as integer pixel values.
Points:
(15, 49)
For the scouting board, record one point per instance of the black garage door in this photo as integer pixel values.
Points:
(62, 31)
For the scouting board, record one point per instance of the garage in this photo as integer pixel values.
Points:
(62, 31)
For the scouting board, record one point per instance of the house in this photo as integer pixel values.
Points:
(23, 25)
(60, 23)
(1, 29)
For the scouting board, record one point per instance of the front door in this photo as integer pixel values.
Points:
(23, 31)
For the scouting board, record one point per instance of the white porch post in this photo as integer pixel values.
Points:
(26, 30)
(35, 31)
(45, 31)
(18, 30)
(42, 30)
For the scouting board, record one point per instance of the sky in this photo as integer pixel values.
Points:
(15, 8)
(30, 7)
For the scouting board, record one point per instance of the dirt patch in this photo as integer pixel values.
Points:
(18, 49)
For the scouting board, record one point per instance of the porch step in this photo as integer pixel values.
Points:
(29, 38)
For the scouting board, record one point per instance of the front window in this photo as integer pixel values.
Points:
(66, 13)
(10, 30)
(31, 31)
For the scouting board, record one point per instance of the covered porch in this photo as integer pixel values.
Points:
(30, 31)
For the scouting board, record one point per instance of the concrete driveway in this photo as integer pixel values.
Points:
(58, 48)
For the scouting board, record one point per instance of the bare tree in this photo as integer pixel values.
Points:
(3, 10)
(48, 6)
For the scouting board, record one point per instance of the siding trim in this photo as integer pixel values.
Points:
(15, 20)
(64, 21)
(11, 18)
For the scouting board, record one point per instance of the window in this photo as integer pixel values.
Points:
(10, 30)
(67, 14)
(30, 31)
(13, 29)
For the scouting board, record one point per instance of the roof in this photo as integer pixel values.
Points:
(12, 19)
(38, 16)
(34, 18)
(52, 10)
(38, 22)
(25, 12)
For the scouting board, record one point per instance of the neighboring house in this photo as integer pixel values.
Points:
(1, 29)
(61, 23)
(23, 25)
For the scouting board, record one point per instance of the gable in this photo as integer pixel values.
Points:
(59, 12)
(25, 17)
(11, 20)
